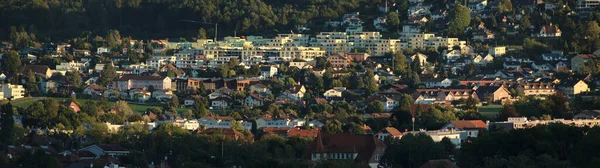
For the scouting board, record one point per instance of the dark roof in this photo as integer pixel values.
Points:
(137, 77)
(364, 145)
(111, 147)
(37, 69)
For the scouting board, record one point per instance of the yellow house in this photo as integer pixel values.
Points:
(573, 87)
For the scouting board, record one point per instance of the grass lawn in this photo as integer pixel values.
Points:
(490, 111)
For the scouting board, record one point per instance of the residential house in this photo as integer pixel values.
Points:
(483, 60)
(72, 105)
(451, 54)
(12, 92)
(69, 66)
(127, 82)
(380, 24)
(456, 137)
(433, 96)
(536, 88)
(221, 103)
(554, 56)
(335, 92)
(549, 31)
(140, 95)
(215, 121)
(388, 133)
(363, 149)
(100, 150)
(418, 20)
(301, 65)
(188, 124)
(226, 132)
(472, 127)
(39, 70)
(93, 90)
(433, 82)
(260, 88)
(190, 100)
(280, 121)
(573, 87)
(296, 92)
(542, 65)
(102, 50)
(268, 71)
(162, 95)
(338, 61)
(493, 93)
(497, 51)
(483, 35)
(580, 60)
(253, 100)
(422, 58)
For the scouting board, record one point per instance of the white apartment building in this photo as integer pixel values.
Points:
(289, 40)
(12, 91)
(73, 65)
(425, 40)
(158, 61)
(304, 53)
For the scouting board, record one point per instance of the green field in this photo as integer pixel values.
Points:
(490, 111)
(26, 102)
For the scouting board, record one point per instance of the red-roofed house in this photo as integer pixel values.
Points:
(388, 133)
(364, 149)
(304, 133)
(550, 31)
(471, 127)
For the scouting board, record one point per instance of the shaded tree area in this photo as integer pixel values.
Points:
(414, 150)
(554, 145)
(54, 20)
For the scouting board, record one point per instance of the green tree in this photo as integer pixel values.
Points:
(592, 35)
(375, 107)
(333, 127)
(370, 82)
(202, 34)
(460, 18)
(507, 111)
(393, 21)
(416, 65)
(353, 128)
(400, 63)
(6, 122)
(73, 78)
(199, 109)
(32, 86)
(123, 109)
(11, 62)
(107, 75)
(174, 102)
(412, 151)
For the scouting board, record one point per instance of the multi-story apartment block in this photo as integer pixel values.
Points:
(73, 65)
(304, 53)
(12, 91)
(127, 82)
(588, 4)
(425, 40)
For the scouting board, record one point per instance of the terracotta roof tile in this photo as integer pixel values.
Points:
(469, 124)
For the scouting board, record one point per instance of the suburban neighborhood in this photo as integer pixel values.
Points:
(378, 84)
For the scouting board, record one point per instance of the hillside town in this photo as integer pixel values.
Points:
(415, 83)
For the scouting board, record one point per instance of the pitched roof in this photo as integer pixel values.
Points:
(111, 147)
(299, 132)
(439, 163)
(469, 124)
(37, 69)
(364, 145)
(393, 131)
(227, 132)
(138, 77)
(551, 28)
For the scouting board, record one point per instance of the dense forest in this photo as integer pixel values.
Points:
(52, 20)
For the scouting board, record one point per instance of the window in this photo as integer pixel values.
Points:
(377, 157)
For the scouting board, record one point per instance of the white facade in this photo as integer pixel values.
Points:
(12, 91)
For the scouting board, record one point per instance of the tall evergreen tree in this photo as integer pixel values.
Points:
(107, 75)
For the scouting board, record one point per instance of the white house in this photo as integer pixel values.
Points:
(188, 124)
(422, 58)
(389, 104)
(253, 100)
(497, 51)
(162, 95)
(221, 103)
(456, 137)
(102, 50)
(140, 95)
(335, 92)
(451, 55)
(388, 133)
(283, 121)
(215, 121)
(93, 90)
(268, 71)
(471, 127)
(12, 92)
(549, 31)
